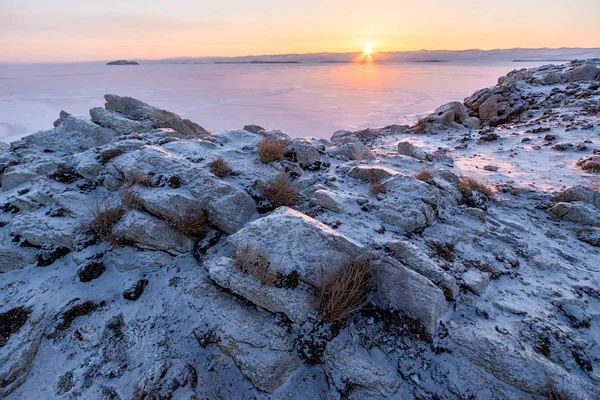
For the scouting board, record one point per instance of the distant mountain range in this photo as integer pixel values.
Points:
(433, 56)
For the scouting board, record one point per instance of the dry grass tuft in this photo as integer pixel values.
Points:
(270, 149)
(130, 200)
(342, 294)
(469, 184)
(552, 392)
(375, 184)
(595, 184)
(424, 175)
(219, 167)
(280, 192)
(192, 225)
(140, 179)
(108, 154)
(104, 217)
(254, 262)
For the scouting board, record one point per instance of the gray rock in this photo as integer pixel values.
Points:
(452, 115)
(400, 288)
(585, 72)
(509, 361)
(328, 200)
(295, 304)
(14, 257)
(294, 241)
(346, 363)
(72, 136)
(345, 152)
(577, 212)
(578, 193)
(39, 229)
(409, 203)
(417, 259)
(304, 154)
(119, 123)
(127, 258)
(17, 356)
(408, 149)
(149, 232)
(477, 281)
(368, 172)
(590, 236)
(138, 110)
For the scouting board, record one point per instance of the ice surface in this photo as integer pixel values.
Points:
(301, 99)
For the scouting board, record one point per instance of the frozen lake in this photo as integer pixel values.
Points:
(301, 99)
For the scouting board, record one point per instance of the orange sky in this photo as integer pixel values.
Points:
(67, 30)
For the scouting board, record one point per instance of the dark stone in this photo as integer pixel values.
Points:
(57, 212)
(64, 173)
(84, 240)
(254, 128)
(488, 137)
(11, 321)
(122, 62)
(50, 253)
(134, 292)
(90, 270)
(549, 138)
(211, 238)
(78, 310)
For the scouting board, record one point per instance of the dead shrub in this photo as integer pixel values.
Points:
(139, 179)
(108, 154)
(104, 217)
(254, 262)
(280, 192)
(344, 293)
(424, 175)
(552, 392)
(468, 184)
(64, 173)
(130, 200)
(219, 167)
(271, 149)
(192, 225)
(444, 250)
(375, 183)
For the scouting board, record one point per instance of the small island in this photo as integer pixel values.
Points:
(123, 62)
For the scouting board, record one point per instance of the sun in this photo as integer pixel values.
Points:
(368, 49)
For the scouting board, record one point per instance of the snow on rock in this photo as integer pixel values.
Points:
(294, 303)
(399, 288)
(348, 364)
(508, 297)
(151, 233)
(294, 241)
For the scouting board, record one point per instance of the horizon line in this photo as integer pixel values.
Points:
(297, 54)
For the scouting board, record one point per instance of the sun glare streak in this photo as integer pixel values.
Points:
(367, 54)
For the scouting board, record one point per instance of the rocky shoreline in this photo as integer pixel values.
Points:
(145, 257)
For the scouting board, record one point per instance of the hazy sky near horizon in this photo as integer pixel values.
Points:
(79, 30)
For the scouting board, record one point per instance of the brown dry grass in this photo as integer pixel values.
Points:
(594, 184)
(345, 293)
(139, 179)
(424, 175)
(192, 225)
(468, 184)
(280, 192)
(104, 217)
(130, 200)
(254, 262)
(108, 154)
(219, 167)
(270, 149)
(552, 392)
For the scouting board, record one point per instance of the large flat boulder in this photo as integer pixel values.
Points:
(118, 122)
(417, 259)
(294, 303)
(149, 232)
(294, 241)
(138, 110)
(409, 203)
(400, 288)
(449, 116)
(72, 135)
